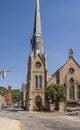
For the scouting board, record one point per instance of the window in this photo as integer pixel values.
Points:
(71, 81)
(71, 92)
(38, 64)
(71, 70)
(38, 99)
(78, 92)
(36, 81)
(40, 81)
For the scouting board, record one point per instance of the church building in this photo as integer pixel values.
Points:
(37, 77)
(69, 76)
(37, 67)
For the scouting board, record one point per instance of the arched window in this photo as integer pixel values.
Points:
(40, 81)
(71, 81)
(38, 99)
(71, 90)
(78, 92)
(36, 81)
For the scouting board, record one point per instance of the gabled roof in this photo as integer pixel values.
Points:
(63, 66)
(41, 58)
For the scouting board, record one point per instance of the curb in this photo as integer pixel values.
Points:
(35, 112)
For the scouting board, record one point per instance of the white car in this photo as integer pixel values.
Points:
(76, 108)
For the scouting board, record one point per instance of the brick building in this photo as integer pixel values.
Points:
(9, 97)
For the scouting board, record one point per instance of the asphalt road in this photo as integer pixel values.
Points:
(43, 121)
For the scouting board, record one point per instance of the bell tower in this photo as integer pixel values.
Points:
(37, 67)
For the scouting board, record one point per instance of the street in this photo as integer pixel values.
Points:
(43, 120)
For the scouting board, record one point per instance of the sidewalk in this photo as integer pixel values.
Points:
(9, 124)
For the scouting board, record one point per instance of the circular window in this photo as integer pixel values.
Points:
(38, 64)
(71, 70)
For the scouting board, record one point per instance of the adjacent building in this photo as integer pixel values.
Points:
(9, 97)
(2, 101)
(23, 95)
(69, 75)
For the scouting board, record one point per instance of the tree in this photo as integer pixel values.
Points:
(55, 93)
(15, 95)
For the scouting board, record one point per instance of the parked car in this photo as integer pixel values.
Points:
(76, 108)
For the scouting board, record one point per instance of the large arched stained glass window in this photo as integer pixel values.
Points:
(40, 81)
(71, 90)
(36, 81)
(78, 92)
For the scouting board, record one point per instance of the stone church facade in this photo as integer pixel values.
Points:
(37, 67)
(37, 77)
(69, 76)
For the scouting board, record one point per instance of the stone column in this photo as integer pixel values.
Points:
(75, 90)
(61, 107)
(52, 107)
(67, 93)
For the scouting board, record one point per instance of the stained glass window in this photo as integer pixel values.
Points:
(36, 81)
(40, 81)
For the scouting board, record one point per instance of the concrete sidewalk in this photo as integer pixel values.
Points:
(9, 124)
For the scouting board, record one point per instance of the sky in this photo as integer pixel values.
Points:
(60, 20)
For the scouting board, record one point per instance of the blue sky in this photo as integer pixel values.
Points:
(61, 31)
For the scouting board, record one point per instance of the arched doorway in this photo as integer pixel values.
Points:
(38, 102)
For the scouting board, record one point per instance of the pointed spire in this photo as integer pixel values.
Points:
(37, 40)
(37, 22)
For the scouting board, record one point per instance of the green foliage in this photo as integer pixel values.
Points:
(55, 93)
(50, 93)
(3, 90)
(15, 93)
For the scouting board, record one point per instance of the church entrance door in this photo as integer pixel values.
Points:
(38, 103)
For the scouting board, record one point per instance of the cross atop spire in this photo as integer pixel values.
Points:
(70, 54)
(37, 22)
